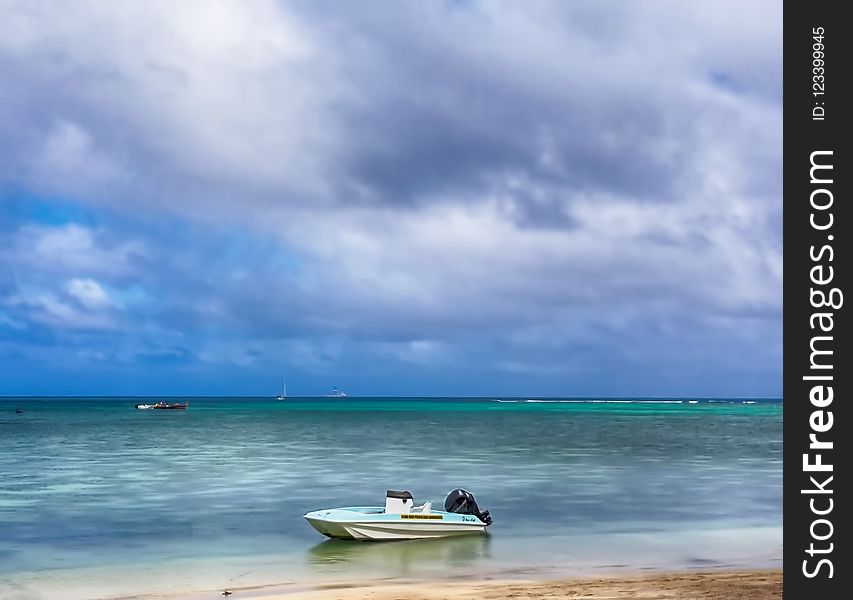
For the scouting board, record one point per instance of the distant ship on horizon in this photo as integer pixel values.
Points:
(336, 393)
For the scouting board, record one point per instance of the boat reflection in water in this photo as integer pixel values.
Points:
(402, 558)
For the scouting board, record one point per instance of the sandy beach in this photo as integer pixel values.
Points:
(704, 585)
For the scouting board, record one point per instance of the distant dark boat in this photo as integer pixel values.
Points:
(163, 406)
(19, 411)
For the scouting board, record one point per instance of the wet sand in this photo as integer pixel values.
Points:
(705, 585)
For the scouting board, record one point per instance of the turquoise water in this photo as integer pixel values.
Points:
(92, 487)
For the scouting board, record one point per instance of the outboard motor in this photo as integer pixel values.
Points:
(462, 502)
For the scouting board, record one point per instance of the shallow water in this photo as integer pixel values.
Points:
(92, 490)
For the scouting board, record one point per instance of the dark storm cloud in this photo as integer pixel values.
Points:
(449, 184)
(439, 119)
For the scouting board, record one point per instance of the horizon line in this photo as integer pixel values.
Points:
(351, 396)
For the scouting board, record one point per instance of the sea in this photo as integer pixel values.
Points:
(101, 500)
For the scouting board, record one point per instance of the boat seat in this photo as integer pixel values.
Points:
(398, 502)
(425, 508)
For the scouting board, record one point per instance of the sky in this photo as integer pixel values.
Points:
(395, 198)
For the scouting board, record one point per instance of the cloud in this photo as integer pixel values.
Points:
(46, 309)
(260, 98)
(67, 156)
(89, 293)
(503, 183)
(70, 249)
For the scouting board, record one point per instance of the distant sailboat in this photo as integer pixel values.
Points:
(283, 394)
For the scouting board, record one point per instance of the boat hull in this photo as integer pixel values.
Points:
(372, 524)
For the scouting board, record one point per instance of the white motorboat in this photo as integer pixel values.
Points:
(336, 393)
(164, 405)
(400, 519)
